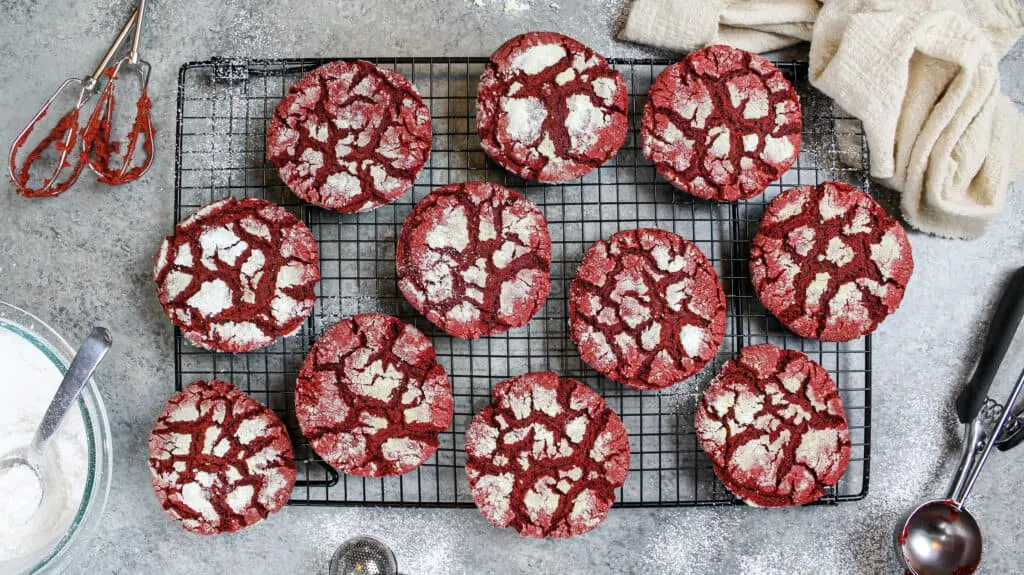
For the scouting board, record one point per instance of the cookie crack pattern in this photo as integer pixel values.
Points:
(646, 308)
(238, 274)
(721, 124)
(350, 136)
(475, 259)
(773, 424)
(371, 397)
(829, 262)
(219, 460)
(550, 109)
(546, 456)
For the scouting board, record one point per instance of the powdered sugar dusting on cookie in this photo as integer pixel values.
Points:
(371, 397)
(646, 308)
(829, 262)
(525, 119)
(773, 425)
(549, 108)
(501, 275)
(350, 136)
(729, 153)
(237, 275)
(530, 471)
(537, 58)
(206, 472)
(584, 123)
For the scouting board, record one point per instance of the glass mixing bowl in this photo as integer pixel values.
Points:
(94, 416)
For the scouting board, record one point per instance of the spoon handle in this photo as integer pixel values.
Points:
(82, 366)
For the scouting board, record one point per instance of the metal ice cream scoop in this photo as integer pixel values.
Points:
(32, 457)
(364, 556)
(941, 537)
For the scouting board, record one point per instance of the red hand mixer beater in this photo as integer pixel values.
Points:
(97, 143)
(96, 150)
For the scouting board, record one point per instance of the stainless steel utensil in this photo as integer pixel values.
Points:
(1013, 433)
(941, 537)
(112, 161)
(63, 138)
(364, 556)
(32, 457)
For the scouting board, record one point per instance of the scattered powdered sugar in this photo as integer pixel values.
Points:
(511, 6)
(28, 380)
(680, 546)
(516, 5)
(425, 541)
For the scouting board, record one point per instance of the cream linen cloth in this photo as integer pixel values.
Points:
(753, 25)
(922, 76)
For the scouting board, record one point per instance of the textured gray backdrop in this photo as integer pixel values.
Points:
(86, 258)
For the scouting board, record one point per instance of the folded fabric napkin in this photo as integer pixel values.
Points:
(752, 25)
(921, 75)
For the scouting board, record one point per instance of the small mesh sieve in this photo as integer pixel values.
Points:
(364, 556)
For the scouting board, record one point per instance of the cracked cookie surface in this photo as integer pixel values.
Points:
(371, 397)
(350, 136)
(829, 263)
(550, 109)
(546, 457)
(219, 460)
(646, 308)
(475, 259)
(721, 124)
(773, 424)
(237, 274)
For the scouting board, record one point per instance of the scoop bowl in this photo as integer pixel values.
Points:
(939, 538)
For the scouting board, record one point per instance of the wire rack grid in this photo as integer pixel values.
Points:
(224, 107)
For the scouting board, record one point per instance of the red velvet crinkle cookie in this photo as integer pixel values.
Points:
(774, 427)
(371, 397)
(550, 109)
(721, 124)
(829, 262)
(546, 457)
(475, 258)
(646, 308)
(219, 460)
(350, 136)
(238, 274)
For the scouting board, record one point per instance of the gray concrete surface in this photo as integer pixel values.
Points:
(86, 258)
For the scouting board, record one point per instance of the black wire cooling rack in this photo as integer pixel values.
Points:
(224, 107)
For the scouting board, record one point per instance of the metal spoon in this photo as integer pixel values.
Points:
(940, 537)
(82, 367)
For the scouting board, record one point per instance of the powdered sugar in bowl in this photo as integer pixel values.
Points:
(33, 359)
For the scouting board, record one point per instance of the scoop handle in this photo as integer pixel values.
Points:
(1000, 333)
(1016, 438)
(1012, 441)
